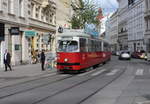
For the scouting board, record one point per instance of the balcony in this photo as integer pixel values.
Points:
(147, 32)
(147, 13)
(42, 25)
(122, 33)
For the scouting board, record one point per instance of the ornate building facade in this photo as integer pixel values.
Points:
(26, 27)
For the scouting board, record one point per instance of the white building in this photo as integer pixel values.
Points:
(136, 26)
(131, 24)
(13, 21)
(147, 24)
(122, 24)
(112, 31)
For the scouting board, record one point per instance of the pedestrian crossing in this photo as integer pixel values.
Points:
(98, 72)
(139, 72)
(106, 72)
(113, 72)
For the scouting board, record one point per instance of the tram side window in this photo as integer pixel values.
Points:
(93, 46)
(99, 46)
(106, 46)
(89, 45)
(83, 47)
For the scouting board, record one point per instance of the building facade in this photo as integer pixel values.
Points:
(23, 27)
(41, 31)
(122, 24)
(112, 31)
(131, 25)
(13, 21)
(136, 26)
(147, 24)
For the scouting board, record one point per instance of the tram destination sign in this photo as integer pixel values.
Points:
(66, 38)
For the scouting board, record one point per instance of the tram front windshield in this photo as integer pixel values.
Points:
(68, 46)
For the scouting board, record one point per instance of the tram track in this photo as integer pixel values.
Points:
(32, 87)
(46, 84)
(35, 87)
(30, 79)
(75, 85)
(86, 98)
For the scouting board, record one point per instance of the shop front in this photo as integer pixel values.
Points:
(30, 36)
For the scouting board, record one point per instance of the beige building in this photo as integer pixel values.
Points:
(63, 13)
(42, 26)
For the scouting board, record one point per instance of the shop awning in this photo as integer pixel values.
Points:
(30, 33)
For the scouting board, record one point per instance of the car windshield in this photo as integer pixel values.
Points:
(125, 52)
(68, 46)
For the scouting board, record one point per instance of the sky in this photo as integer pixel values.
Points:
(108, 6)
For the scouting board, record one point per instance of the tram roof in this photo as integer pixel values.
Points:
(74, 33)
(77, 33)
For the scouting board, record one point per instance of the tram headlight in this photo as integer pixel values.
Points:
(66, 60)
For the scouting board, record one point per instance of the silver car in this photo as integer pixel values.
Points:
(124, 55)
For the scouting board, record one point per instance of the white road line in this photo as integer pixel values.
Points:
(113, 72)
(86, 73)
(64, 75)
(46, 75)
(99, 72)
(139, 72)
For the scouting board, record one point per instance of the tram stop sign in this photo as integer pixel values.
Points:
(60, 29)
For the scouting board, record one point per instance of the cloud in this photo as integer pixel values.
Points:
(108, 6)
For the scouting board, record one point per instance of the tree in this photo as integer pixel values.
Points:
(84, 12)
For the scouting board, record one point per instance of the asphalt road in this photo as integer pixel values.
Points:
(83, 88)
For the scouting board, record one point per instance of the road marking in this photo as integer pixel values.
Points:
(63, 75)
(113, 72)
(86, 73)
(139, 72)
(47, 75)
(99, 72)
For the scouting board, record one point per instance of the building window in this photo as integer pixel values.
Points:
(21, 8)
(11, 6)
(32, 9)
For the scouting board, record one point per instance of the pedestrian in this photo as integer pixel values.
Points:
(42, 57)
(7, 60)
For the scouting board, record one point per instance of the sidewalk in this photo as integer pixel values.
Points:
(23, 71)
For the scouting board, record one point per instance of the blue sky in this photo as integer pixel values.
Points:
(107, 5)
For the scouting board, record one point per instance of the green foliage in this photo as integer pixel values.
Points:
(84, 12)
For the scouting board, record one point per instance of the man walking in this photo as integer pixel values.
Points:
(42, 60)
(7, 60)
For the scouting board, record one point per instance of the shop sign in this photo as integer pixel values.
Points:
(30, 33)
(14, 31)
(2, 31)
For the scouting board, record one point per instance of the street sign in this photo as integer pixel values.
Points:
(30, 33)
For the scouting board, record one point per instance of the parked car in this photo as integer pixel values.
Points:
(148, 56)
(124, 55)
(136, 55)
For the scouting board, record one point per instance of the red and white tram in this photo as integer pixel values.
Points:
(77, 50)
